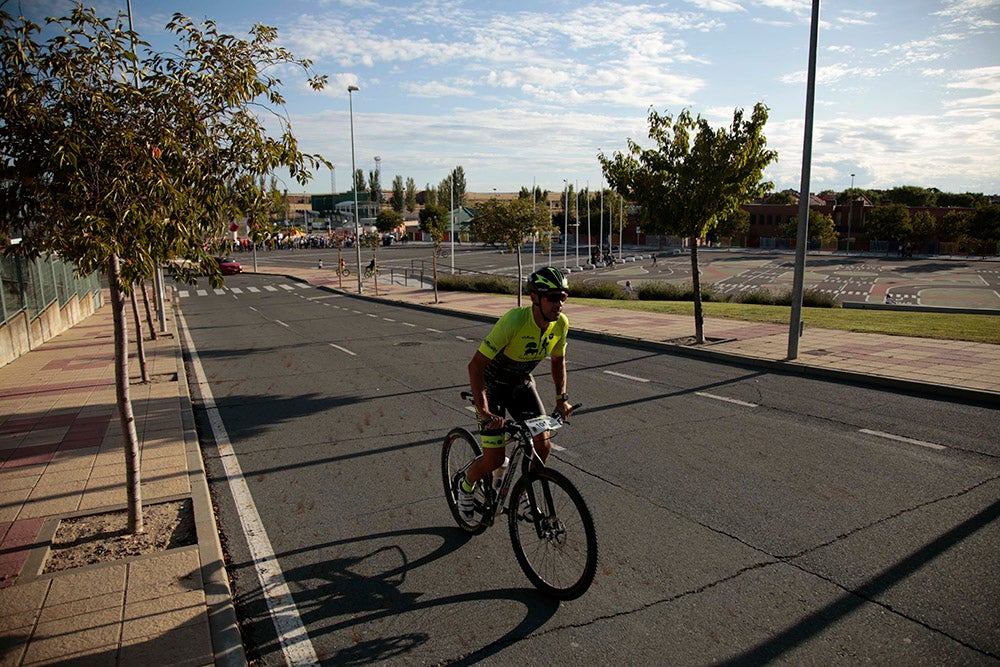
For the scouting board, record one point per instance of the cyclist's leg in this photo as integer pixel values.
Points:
(492, 439)
(526, 404)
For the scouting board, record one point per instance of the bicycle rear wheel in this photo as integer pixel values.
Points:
(459, 449)
(557, 549)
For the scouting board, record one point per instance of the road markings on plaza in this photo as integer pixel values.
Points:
(342, 349)
(281, 323)
(627, 377)
(726, 399)
(434, 330)
(900, 438)
(295, 642)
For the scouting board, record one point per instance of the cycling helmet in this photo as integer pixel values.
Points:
(548, 279)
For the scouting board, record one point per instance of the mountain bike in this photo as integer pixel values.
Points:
(343, 271)
(551, 528)
(370, 272)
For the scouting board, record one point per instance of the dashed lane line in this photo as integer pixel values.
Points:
(627, 377)
(900, 438)
(342, 349)
(726, 399)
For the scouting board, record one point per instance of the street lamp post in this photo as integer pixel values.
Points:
(850, 215)
(354, 181)
(577, 234)
(566, 224)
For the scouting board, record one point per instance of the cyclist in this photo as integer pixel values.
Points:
(343, 267)
(371, 266)
(500, 374)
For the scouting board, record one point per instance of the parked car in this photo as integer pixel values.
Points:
(228, 266)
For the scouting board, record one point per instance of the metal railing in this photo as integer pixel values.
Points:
(34, 285)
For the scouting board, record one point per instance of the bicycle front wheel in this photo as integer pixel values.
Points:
(459, 449)
(555, 544)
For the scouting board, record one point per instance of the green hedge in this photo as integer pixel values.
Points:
(646, 291)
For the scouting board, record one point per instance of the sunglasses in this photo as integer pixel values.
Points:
(555, 297)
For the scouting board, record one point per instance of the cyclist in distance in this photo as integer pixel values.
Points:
(500, 374)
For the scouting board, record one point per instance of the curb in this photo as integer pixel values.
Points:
(226, 639)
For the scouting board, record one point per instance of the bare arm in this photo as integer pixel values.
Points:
(477, 381)
(559, 380)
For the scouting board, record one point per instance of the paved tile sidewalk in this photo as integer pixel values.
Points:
(61, 454)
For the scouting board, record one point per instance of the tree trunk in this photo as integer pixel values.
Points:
(129, 438)
(434, 269)
(140, 347)
(149, 314)
(699, 318)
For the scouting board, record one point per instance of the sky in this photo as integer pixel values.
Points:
(522, 93)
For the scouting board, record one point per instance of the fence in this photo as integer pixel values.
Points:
(39, 299)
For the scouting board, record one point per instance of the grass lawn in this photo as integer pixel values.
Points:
(948, 326)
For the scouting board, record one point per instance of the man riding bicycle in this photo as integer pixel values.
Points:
(500, 374)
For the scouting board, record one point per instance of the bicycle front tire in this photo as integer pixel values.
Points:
(557, 551)
(459, 449)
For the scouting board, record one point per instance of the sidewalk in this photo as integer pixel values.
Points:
(61, 455)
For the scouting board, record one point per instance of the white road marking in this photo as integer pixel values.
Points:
(219, 290)
(388, 319)
(282, 324)
(182, 293)
(270, 288)
(464, 339)
(900, 438)
(253, 289)
(407, 324)
(236, 290)
(434, 330)
(726, 399)
(202, 292)
(287, 287)
(627, 377)
(342, 349)
(295, 642)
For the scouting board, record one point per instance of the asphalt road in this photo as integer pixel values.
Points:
(962, 283)
(742, 516)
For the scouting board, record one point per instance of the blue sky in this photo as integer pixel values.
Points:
(908, 91)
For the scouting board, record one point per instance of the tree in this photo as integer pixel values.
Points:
(388, 220)
(430, 196)
(510, 222)
(446, 193)
(737, 222)
(889, 222)
(780, 198)
(694, 177)
(359, 181)
(434, 220)
(398, 198)
(984, 227)
(910, 195)
(821, 227)
(923, 225)
(411, 195)
(375, 187)
(954, 226)
(113, 172)
(457, 178)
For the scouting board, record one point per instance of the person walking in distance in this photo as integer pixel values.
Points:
(501, 380)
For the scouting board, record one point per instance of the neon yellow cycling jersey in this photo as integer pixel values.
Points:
(516, 345)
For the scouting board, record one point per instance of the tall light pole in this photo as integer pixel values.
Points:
(850, 215)
(354, 181)
(378, 178)
(577, 234)
(566, 224)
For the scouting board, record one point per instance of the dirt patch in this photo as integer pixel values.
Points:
(100, 538)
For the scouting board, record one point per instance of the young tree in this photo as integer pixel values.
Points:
(511, 222)
(821, 226)
(411, 195)
(889, 222)
(434, 220)
(457, 178)
(398, 198)
(359, 181)
(430, 196)
(388, 221)
(375, 187)
(694, 177)
(122, 163)
(984, 227)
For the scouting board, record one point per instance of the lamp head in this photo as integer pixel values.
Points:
(351, 89)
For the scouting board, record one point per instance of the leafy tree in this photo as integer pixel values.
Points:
(540, 196)
(359, 181)
(458, 179)
(398, 198)
(411, 195)
(923, 224)
(966, 200)
(114, 171)
(694, 177)
(780, 198)
(375, 187)
(821, 226)
(954, 226)
(434, 220)
(510, 222)
(734, 224)
(447, 197)
(889, 222)
(372, 241)
(430, 196)
(984, 227)
(388, 220)
(910, 195)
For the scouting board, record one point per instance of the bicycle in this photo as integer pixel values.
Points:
(551, 528)
(343, 272)
(370, 272)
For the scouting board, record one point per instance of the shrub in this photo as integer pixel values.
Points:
(477, 283)
(759, 296)
(599, 290)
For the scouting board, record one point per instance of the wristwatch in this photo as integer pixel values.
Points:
(562, 397)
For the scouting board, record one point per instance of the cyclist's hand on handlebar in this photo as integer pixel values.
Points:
(492, 421)
(564, 409)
